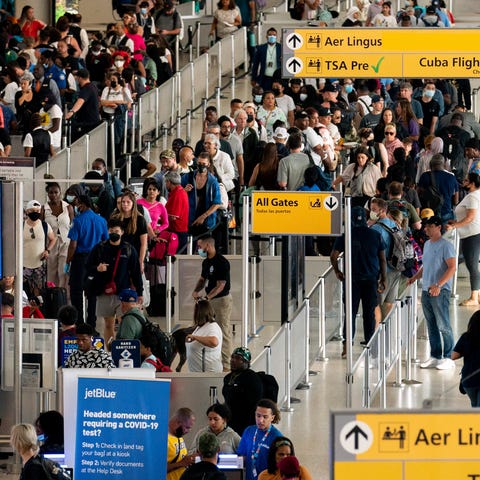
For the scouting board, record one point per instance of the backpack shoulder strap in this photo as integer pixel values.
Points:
(139, 317)
(45, 232)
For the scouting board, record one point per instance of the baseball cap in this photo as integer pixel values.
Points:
(280, 133)
(167, 4)
(376, 98)
(426, 213)
(430, 9)
(301, 114)
(435, 220)
(244, 353)
(359, 216)
(329, 88)
(32, 204)
(128, 295)
(324, 112)
(168, 153)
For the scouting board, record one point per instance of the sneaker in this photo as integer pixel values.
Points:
(430, 363)
(445, 364)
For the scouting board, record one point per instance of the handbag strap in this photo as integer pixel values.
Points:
(116, 264)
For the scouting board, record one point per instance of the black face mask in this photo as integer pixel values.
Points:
(370, 143)
(201, 168)
(276, 91)
(466, 188)
(249, 118)
(114, 237)
(33, 216)
(179, 432)
(113, 84)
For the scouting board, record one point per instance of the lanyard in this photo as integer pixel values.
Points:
(256, 451)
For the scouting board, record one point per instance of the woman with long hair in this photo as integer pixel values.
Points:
(360, 177)
(433, 145)
(226, 19)
(264, 175)
(204, 344)
(467, 214)
(134, 226)
(282, 447)
(409, 121)
(218, 416)
(388, 116)
(468, 347)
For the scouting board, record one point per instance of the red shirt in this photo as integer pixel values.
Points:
(177, 204)
(31, 29)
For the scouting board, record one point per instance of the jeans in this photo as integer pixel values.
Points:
(474, 395)
(437, 316)
(366, 291)
(471, 254)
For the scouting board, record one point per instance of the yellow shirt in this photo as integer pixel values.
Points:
(176, 448)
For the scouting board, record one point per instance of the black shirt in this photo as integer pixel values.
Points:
(216, 269)
(203, 471)
(89, 113)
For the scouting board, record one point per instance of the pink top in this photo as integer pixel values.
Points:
(158, 214)
(138, 44)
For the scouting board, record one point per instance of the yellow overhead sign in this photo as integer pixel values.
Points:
(296, 213)
(405, 446)
(371, 52)
(380, 40)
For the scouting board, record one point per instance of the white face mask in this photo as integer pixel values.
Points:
(303, 97)
(119, 63)
(96, 53)
(373, 216)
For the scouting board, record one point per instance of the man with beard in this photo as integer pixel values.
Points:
(178, 459)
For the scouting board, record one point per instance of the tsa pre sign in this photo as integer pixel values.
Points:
(296, 213)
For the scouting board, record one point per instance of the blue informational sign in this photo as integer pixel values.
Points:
(126, 353)
(122, 428)
(69, 344)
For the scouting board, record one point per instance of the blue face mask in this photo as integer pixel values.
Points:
(70, 198)
(257, 98)
(272, 39)
(76, 210)
(349, 88)
(41, 437)
(429, 93)
(202, 253)
(143, 11)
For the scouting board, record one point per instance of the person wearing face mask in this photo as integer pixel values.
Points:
(467, 214)
(249, 138)
(251, 110)
(85, 111)
(374, 9)
(215, 279)
(168, 23)
(38, 142)
(181, 422)
(430, 108)
(372, 118)
(38, 241)
(120, 38)
(51, 115)
(266, 61)
(145, 20)
(284, 102)
(87, 230)
(113, 262)
(177, 208)
(98, 62)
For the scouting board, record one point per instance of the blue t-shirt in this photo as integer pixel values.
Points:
(306, 188)
(87, 230)
(434, 266)
(254, 446)
(446, 184)
(386, 236)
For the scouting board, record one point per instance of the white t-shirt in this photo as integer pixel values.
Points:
(115, 95)
(286, 104)
(47, 121)
(28, 140)
(212, 361)
(471, 201)
(9, 95)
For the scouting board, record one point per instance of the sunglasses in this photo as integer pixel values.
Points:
(32, 233)
(389, 133)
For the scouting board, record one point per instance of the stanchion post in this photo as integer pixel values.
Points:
(456, 243)
(253, 304)
(245, 277)
(321, 320)
(288, 363)
(411, 341)
(348, 298)
(169, 292)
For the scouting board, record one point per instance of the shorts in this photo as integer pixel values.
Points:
(391, 290)
(108, 306)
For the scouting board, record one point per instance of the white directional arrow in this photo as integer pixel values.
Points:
(294, 41)
(356, 437)
(294, 65)
(330, 203)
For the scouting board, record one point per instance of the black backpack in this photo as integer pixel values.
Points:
(270, 386)
(165, 343)
(53, 470)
